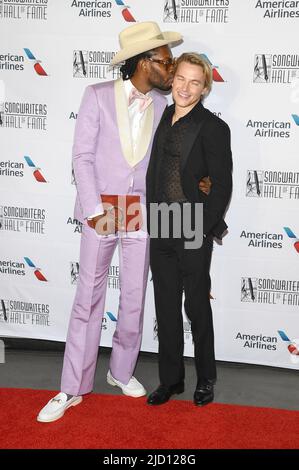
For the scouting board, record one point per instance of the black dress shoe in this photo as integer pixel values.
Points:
(164, 392)
(203, 394)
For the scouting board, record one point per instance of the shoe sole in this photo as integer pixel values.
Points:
(178, 392)
(110, 381)
(50, 420)
(204, 403)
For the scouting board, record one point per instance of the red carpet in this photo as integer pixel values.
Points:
(119, 422)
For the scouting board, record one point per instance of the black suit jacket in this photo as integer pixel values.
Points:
(206, 152)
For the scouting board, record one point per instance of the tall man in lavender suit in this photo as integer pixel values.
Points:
(112, 146)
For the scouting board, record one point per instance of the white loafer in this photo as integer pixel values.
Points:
(56, 407)
(132, 389)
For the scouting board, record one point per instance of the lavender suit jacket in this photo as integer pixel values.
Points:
(103, 159)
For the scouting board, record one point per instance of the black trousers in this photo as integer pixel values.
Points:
(174, 269)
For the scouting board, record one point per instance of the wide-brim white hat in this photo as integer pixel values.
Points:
(142, 37)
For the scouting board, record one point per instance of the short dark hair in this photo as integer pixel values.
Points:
(129, 67)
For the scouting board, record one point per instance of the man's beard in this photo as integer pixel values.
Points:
(164, 86)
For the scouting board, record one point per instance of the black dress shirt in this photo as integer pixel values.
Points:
(169, 185)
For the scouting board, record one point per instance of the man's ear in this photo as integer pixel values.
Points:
(204, 92)
(142, 65)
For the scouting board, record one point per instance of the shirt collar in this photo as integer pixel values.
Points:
(129, 86)
(189, 114)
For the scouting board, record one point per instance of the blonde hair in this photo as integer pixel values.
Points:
(197, 59)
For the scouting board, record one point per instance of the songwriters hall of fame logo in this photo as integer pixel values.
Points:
(171, 11)
(283, 292)
(248, 289)
(196, 11)
(276, 68)
(74, 266)
(25, 313)
(23, 219)
(24, 9)
(1, 113)
(23, 115)
(262, 68)
(94, 64)
(73, 177)
(254, 183)
(3, 310)
(273, 184)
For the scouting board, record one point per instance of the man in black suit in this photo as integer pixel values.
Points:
(190, 143)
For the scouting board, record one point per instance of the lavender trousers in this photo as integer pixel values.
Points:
(84, 331)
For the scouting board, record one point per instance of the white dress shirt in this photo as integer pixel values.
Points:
(135, 118)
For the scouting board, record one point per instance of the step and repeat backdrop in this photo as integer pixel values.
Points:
(50, 50)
